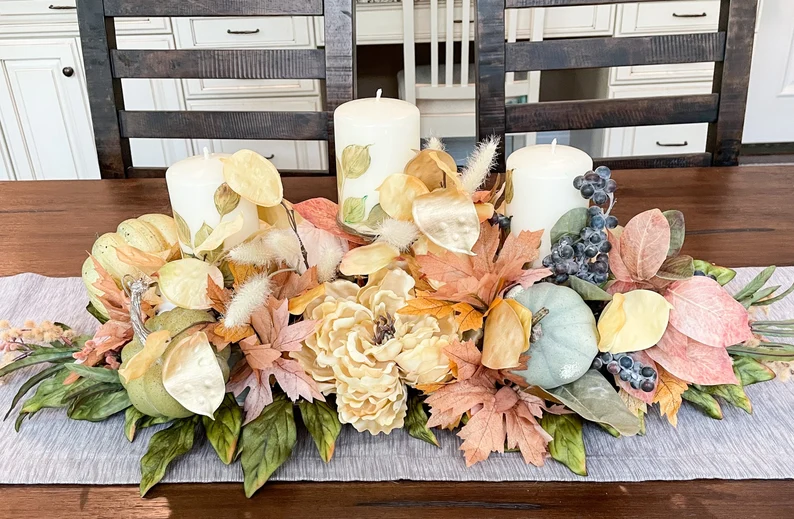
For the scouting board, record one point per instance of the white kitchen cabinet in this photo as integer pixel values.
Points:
(44, 112)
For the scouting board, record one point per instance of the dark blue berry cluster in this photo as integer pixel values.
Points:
(627, 369)
(587, 256)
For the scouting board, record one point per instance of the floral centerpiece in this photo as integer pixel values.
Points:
(437, 319)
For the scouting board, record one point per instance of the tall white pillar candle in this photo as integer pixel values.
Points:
(375, 138)
(543, 189)
(192, 187)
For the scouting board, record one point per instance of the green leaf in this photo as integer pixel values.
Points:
(677, 268)
(724, 275)
(32, 381)
(611, 430)
(86, 387)
(750, 371)
(267, 443)
(703, 401)
(376, 216)
(38, 357)
(353, 209)
(224, 431)
(756, 284)
(770, 352)
(322, 422)
(775, 299)
(748, 301)
(131, 418)
(225, 199)
(182, 230)
(99, 406)
(416, 421)
(594, 399)
(49, 394)
(355, 160)
(98, 374)
(164, 447)
(571, 223)
(589, 291)
(567, 445)
(151, 421)
(202, 234)
(91, 309)
(677, 231)
(731, 393)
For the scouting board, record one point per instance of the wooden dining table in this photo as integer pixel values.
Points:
(734, 217)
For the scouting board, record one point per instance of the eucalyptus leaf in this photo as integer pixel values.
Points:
(724, 275)
(267, 442)
(589, 291)
(567, 445)
(164, 447)
(571, 223)
(780, 352)
(98, 374)
(416, 421)
(39, 357)
(353, 209)
(775, 299)
(703, 401)
(224, 431)
(131, 419)
(376, 216)
(732, 393)
(91, 309)
(355, 160)
(99, 406)
(29, 383)
(750, 371)
(677, 268)
(322, 422)
(756, 284)
(677, 231)
(594, 399)
(182, 230)
(225, 199)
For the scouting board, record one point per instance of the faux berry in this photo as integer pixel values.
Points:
(578, 182)
(600, 197)
(603, 172)
(611, 222)
(613, 367)
(587, 191)
(647, 386)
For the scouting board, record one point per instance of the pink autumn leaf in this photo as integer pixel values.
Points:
(706, 312)
(259, 396)
(693, 361)
(639, 356)
(322, 213)
(293, 380)
(616, 264)
(644, 244)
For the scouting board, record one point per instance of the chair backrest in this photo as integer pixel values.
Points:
(105, 66)
(730, 48)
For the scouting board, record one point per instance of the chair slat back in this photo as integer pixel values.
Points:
(106, 65)
(730, 48)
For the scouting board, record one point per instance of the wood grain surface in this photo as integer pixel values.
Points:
(735, 216)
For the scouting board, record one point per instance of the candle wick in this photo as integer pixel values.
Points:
(206, 153)
(553, 146)
(378, 93)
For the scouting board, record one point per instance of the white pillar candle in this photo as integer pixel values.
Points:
(192, 186)
(543, 188)
(380, 132)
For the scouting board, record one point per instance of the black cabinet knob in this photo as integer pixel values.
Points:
(68, 71)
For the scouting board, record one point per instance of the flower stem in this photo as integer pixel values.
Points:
(294, 227)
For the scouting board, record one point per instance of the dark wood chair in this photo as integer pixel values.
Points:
(730, 48)
(105, 66)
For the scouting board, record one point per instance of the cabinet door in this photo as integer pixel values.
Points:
(44, 111)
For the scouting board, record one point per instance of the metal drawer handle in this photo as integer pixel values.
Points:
(701, 15)
(673, 144)
(229, 31)
(271, 156)
(62, 7)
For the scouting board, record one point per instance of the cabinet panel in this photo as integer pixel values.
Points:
(305, 155)
(44, 114)
(565, 22)
(668, 17)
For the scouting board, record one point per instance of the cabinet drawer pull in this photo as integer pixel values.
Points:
(693, 15)
(673, 144)
(62, 7)
(229, 31)
(271, 156)
(68, 71)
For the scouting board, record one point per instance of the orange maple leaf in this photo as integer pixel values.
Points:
(219, 296)
(291, 284)
(426, 306)
(669, 389)
(467, 317)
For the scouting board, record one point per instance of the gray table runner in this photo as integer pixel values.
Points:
(52, 449)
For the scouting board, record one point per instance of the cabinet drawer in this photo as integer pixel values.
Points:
(246, 32)
(566, 22)
(640, 74)
(668, 17)
(60, 16)
(223, 88)
(305, 155)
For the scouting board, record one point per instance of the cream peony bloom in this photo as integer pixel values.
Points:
(364, 351)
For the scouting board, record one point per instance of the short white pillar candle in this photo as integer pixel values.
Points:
(387, 130)
(192, 184)
(543, 187)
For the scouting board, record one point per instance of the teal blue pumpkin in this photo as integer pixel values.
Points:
(567, 337)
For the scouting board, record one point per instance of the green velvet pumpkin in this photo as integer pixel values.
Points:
(147, 393)
(568, 339)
